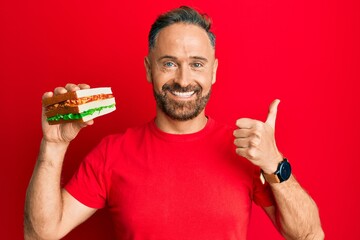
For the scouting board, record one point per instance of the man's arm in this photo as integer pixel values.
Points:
(295, 213)
(51, 212)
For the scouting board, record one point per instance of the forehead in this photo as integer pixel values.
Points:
(182, 38)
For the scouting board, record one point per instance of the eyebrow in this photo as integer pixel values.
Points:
(175, 58)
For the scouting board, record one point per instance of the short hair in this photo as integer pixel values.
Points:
(183, 14)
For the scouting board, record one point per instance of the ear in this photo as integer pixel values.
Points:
(215, 66)
(148, 69)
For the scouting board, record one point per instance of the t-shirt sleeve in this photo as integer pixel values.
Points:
(88, 184)
(262, 194)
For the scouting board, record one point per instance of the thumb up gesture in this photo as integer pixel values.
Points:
(255, 140)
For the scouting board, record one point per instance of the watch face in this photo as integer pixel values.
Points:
(284, 171)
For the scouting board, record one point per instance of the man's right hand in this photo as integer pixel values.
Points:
(62, 133)
(50, 211)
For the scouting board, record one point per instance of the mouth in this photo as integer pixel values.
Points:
(183, 95)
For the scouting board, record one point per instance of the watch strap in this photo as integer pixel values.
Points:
(275, 177)
(271, 178)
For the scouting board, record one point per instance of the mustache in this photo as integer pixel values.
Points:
(175, 87)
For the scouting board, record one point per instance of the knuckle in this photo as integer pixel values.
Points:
(252, 153)
(256, 134)
(254, 141)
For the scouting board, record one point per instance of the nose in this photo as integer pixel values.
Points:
(183, 76)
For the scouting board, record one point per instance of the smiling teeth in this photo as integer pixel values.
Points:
(183, 94)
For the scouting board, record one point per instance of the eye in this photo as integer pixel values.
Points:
(169, 64)
(197, 65)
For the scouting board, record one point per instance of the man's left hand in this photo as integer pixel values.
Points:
(255, 140)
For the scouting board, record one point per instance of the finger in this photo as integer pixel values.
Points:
(47, 95)
(89, 123)
(245, 123)
(83, 86)
(242, 142)
(43, 116)
(72, 87)
(243, 152)
(80, 125)
(247, 142)
(249, 153)
(60, 90)
(271, 118)
(68, 88)
(242, 133)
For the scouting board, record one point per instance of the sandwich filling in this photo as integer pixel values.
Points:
(84, 108)
(76, 102)
(76, 116)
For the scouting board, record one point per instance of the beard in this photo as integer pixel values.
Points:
(181, 110)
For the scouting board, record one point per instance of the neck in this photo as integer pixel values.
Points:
(169, 125)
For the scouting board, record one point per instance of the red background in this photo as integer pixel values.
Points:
(304, 52)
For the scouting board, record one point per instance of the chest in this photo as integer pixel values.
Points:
(167, 189)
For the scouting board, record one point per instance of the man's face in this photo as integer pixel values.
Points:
(182, 68)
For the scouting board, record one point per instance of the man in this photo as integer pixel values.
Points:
(181, 176)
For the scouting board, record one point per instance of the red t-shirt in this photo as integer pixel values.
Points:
(165, 186)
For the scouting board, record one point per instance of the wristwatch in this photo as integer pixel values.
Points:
(282, 173)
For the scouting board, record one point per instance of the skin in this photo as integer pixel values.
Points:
(51, 212)
(182, 55)
(295, 214)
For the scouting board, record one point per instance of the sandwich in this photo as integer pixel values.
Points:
(81, 105)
